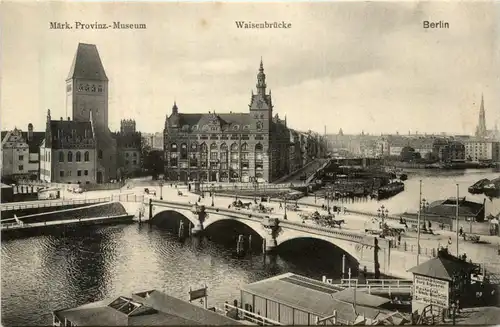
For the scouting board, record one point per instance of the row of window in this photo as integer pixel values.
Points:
(203, 147)
(134, 162)
(78, 173)
(225, 137)
(78, 156)
(88, 87)
(259, 165)
(134, 154)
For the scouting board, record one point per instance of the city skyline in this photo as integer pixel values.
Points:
(385, 75)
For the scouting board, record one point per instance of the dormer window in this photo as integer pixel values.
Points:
(195, 127)
(236, 127)
(246, 127)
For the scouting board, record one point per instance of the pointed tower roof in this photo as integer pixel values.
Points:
(87, 64)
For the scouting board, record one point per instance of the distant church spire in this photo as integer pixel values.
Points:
(481, 126)
(261, 80)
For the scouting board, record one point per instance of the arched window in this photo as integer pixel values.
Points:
(61, 156)
(223, 155)
(78, 156)
(203, 156)
(70, 156)
(86, 156)
(194, 147)
(214, 155)
(99, 154)
(173, 147)
(184, 151)
(259, 164)
(244, 156)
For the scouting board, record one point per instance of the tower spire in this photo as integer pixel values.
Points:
(261, 79)
(481, 126)
(175, 110)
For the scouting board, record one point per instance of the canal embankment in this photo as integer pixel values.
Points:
(89, 211)
(38, 207)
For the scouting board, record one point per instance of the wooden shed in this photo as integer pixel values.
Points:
(297, 300)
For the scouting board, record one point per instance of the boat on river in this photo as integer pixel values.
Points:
(390, 189)
(478, 187)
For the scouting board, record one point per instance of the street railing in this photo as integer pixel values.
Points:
(373, 285)
(52, 203)
(250, 316)
(56, 222)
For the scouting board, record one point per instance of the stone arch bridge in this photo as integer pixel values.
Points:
(369, 251)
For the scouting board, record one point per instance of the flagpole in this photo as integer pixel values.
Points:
(457, 217)
(418, 223)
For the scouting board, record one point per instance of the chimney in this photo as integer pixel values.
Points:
(30, 131)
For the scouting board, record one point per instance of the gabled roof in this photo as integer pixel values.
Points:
(35, 141)
(225, 119)
(65, 129)
(87, 64)
(442, 267)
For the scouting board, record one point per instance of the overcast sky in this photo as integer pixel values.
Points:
(356, 66)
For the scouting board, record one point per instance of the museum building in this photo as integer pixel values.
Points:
(228, 147)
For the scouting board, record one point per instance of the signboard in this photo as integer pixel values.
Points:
(196, 294)
(431, 290)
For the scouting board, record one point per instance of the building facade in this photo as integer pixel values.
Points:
(20, 153)
(67, 142)
(129, 148)
(449, 150)
(230, 147)
(478, 149)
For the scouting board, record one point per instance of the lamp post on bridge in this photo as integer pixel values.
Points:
(212, 195)
(161, 189)
(284, 217)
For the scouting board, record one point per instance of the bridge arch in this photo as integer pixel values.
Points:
(256, 227)
(346, 246)
(161, 213)
(159, 216)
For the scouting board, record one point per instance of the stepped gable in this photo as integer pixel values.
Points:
(65, 132)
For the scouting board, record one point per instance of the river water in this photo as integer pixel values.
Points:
(65, 269)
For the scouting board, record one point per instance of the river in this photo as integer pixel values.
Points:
(436, 185)
(59, 270)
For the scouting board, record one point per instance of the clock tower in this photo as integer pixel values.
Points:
(261, 107)
(87, 87)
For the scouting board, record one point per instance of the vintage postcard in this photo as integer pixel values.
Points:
(227, 163)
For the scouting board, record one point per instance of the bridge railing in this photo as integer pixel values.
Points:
(44, 204)
(330, 231)
(343, 235)
(131, 197)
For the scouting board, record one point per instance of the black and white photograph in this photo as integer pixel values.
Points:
(239, 163)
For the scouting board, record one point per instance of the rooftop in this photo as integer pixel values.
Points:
(151, 308)
(442, 267)
(317, 297)
(87, 64)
